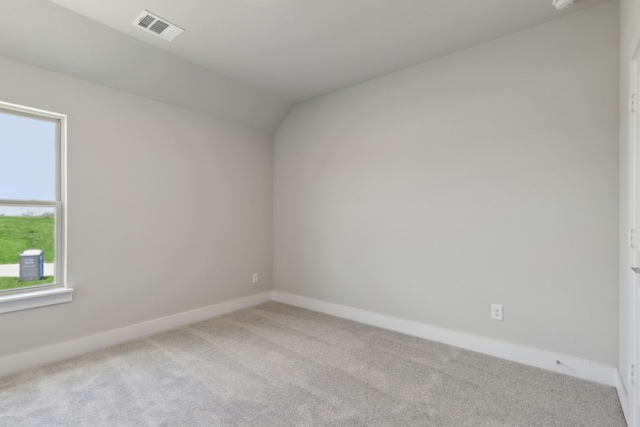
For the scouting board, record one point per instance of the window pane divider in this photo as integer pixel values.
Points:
(9, 202)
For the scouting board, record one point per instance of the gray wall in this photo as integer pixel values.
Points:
(629, 40)
(488, 176)
(168, 210)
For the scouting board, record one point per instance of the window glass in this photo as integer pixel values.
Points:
(30, 205)
(27, 157)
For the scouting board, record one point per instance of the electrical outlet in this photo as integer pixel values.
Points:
(496, 311)
(254, 280)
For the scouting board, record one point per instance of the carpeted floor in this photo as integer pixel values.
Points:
(277, 365)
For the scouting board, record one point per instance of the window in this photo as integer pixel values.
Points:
(32, 208)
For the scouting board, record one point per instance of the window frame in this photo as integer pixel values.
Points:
(57, 292)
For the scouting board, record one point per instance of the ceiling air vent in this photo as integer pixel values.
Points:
(158, 26)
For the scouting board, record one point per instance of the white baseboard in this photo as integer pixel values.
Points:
(569, 365)
(65, 350)
(623, 397)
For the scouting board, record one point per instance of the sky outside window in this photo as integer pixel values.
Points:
(27, 160)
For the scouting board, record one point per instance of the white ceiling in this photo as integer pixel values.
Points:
(299, 49)
(271, 53)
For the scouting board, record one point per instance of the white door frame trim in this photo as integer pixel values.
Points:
(632, 410)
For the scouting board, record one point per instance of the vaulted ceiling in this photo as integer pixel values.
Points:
(249, 61)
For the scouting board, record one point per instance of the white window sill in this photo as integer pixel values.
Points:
(35, 298)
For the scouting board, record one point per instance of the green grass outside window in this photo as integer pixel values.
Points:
(19, 233)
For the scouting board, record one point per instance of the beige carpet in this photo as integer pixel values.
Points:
(277, 365)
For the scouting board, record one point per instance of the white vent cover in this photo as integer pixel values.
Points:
(158, 26)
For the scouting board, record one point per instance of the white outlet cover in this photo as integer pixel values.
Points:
(496, 311)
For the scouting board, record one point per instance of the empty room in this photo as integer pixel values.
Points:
(319, 213)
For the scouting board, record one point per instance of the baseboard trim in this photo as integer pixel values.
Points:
(569, 365)
(29, 359)
(623, 397)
